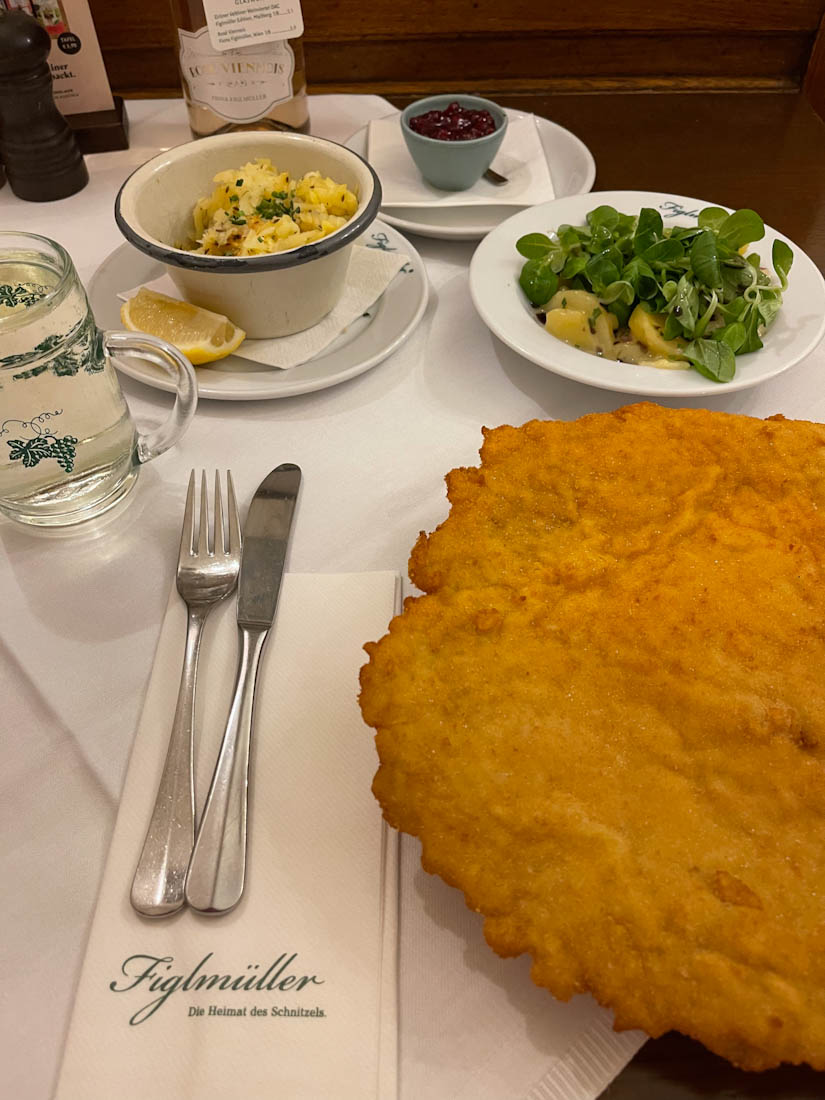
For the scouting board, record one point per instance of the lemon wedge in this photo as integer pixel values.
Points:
(201, 335)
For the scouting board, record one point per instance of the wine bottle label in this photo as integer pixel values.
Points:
(235, 23)
(240, 85)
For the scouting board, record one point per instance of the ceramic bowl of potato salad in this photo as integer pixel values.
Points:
(257, 209)
(255, 226)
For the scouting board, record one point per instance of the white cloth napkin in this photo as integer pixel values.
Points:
(370, 272)
(521, 159)
(322, 887)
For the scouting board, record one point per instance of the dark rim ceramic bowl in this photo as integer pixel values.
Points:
(453, 165)
(268, 296)
(154, 206)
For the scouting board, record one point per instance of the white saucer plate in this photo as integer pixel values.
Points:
(572, 169)
(366, 342)
(502, 305)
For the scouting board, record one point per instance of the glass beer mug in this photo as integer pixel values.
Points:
(68, 447)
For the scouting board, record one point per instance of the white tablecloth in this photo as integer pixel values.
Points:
(81, 613)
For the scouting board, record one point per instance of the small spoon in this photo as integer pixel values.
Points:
(495, 177)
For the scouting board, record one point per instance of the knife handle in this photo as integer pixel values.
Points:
(158, 885)
(215, 880)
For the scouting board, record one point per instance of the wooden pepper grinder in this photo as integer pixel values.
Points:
(37, 146)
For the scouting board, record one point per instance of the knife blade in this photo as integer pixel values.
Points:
(265, 539)
(217, 869)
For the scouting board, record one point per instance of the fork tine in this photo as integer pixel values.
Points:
(234, 524)
(218, 536)
(203, 528)
(187, 533)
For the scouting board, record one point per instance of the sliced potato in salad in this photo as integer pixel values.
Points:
(648, 329)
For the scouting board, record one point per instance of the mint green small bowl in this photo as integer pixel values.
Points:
(453, 165)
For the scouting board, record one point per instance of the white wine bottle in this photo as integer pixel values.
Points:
(242, 65)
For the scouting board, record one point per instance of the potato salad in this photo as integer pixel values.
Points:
(255, 210)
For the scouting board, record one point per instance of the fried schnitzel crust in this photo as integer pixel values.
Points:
(605, 718)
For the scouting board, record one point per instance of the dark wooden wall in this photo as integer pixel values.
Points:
(814, 82)
(499, 46)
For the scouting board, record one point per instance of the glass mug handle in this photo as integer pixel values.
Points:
(182, 373)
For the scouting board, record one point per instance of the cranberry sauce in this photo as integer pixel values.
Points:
(454, 123)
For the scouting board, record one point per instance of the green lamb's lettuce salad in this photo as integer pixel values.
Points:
(706, 299)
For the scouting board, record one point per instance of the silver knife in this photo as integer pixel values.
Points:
(217, 869)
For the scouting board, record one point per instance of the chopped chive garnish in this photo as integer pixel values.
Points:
(276, 207)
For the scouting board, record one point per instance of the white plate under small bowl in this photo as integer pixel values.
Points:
(502, 305)
(572, 169)
(366, 342)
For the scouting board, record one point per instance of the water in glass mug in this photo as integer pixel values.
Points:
(68, 447)
(60, 411)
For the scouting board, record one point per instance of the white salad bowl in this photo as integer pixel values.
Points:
(271, 295)
(504, 308)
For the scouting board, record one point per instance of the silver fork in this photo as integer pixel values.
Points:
(207, 573)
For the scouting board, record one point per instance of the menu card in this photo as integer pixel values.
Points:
(294, 992)
(78, 73)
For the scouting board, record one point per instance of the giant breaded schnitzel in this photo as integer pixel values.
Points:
(605, 719)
